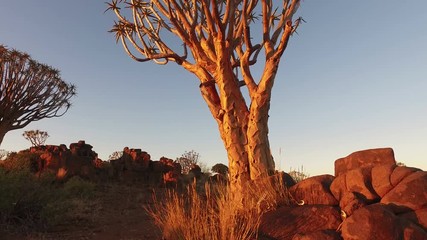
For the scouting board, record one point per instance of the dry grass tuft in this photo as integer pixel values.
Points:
(61, 174)
(217, 213)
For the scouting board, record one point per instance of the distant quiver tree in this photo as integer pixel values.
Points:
(36, 137)
(115, 155)
(219, 42)
(29, 91)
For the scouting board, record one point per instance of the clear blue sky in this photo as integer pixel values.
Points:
(355, 77)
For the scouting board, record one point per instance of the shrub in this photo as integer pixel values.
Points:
(79, 188)
(26, 200)
(298, 175)
(220, 169)
(216, 213)
(29, 200)
(4, 154)
(22, 161)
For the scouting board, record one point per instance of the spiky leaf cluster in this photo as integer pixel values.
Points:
(145, 26)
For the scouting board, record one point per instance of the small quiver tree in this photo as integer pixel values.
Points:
(115, 155)
(29, 91)
(219, 46)
(36, 137)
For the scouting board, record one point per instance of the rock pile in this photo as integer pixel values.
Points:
(133, 166)
(370, 197)
(136, 165)
(79, 159)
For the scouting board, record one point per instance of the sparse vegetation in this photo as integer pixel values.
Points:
(77, 187)
(216, 212)
(400, 164)
(115, 155)
(298, 174)
(37, 201)
(22, 161)
(4, 154)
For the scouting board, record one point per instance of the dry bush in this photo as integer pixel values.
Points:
(299, 174)
(217, 213)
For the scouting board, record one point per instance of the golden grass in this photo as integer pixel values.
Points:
(217, 213)
(61, 174)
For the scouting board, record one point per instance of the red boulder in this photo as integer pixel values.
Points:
(366, 158)
(285, 222)
(409, 194)
(314, 190)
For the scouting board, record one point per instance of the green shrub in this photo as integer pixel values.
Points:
(37, 200)
(76, 187)
(25, 200)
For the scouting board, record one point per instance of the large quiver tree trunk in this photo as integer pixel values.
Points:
(217, 34)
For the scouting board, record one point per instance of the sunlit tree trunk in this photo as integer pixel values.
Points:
(219, 48)
(244, 131)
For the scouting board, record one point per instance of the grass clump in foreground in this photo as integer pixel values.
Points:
(217, 213)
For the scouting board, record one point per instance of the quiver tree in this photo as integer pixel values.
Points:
(220, 47)
(188, 160)
(29, 91)
(36, 137)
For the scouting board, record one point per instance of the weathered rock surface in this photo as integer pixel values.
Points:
(359, 181)
(314, 190)
(377, 222)
(412, 232)
(409, 194)
(418, 217)
(353, 189)
(400, 173)
(376, 199)
(318, 235)
(363, 159)
(352, 201)
(381, 178)
(285, 222)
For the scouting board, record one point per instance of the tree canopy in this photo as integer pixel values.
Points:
(29, 91)
(36, 137)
